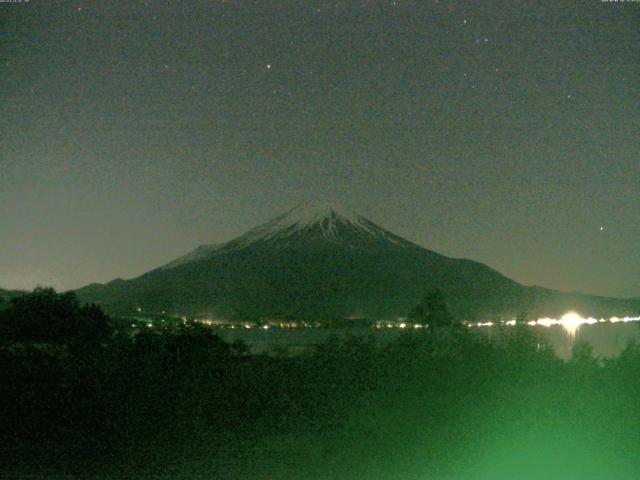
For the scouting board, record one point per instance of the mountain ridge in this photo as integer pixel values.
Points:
(321, 260)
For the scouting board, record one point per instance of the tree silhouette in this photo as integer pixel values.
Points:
(582, 355)
(432, 309)
(521, 317)
(48, 317)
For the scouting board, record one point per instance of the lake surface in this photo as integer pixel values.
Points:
(607, 339)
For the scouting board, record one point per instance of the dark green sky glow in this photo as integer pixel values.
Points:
(505, 132)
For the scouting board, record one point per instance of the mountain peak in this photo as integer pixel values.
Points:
(315, 219)
(315, 212)
(328, 219)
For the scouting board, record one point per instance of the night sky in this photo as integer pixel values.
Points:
(505, 132)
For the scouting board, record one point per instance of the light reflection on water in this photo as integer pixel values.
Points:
(607, 339)
(571, 321)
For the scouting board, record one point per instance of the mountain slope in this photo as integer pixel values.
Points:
(320, 260)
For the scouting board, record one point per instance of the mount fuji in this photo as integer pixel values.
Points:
(320, 260)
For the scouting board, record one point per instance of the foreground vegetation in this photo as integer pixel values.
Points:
(90, 402)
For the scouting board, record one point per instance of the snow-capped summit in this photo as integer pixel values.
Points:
(315, 211)
(328, 220)
(310, 221)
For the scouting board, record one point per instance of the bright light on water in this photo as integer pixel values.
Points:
(570, 321)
